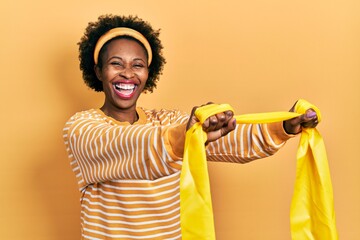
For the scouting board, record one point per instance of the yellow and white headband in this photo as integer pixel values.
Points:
(122, 31)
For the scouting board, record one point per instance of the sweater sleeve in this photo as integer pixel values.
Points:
(248, 142)
(99, 151)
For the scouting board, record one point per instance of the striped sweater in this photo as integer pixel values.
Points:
(128, 175)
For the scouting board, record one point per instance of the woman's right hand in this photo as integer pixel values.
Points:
(216, 126)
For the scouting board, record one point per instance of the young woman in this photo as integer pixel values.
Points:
(127, 160)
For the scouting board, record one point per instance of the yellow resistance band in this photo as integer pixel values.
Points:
(312, 214)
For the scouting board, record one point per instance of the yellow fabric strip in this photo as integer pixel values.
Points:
(311, 207)
(312, 214)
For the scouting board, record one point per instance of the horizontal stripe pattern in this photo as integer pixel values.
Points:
(246, 143)
(128, 179)
(133, 210)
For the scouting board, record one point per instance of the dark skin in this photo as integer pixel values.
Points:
(124, 63)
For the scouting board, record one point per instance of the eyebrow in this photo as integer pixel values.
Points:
(120, 58)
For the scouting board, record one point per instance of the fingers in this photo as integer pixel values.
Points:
(218, 133)
(214, 122)
(229, 127)
(219, 125)
(216, 126)
(217, 121)
(309, 119)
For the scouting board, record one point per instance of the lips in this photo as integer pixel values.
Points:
(125, 90)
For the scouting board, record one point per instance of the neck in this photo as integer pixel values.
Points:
(121, 115)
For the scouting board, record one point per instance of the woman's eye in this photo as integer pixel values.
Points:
(116, 63)
(138, 66)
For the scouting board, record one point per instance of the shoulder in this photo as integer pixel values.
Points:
(78, 120)
(86, 114)
(92, 116)
(165, 116)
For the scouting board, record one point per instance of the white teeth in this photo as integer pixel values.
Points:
(125, 86)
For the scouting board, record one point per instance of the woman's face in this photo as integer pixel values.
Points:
(123, 74)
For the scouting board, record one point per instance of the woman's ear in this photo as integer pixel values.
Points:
(97, 72)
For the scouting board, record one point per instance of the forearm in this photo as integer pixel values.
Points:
(248, 142)
(103, 152)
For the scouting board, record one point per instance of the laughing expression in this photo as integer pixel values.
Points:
(123, 74)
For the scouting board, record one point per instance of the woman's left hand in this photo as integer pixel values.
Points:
(307, 120)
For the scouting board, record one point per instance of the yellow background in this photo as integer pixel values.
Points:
(256, 55)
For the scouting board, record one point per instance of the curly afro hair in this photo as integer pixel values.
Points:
(106, 22)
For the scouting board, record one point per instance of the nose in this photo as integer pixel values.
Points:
(127, 73)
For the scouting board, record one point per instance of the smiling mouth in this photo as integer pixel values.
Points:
(124, 90)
